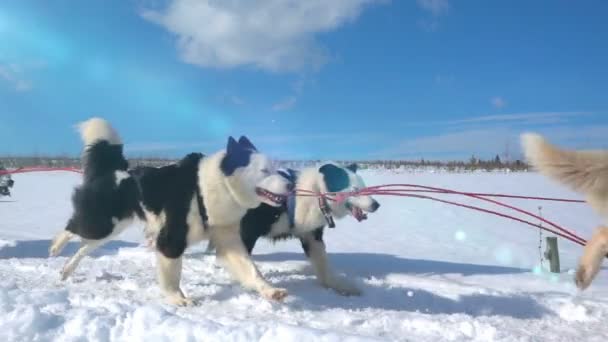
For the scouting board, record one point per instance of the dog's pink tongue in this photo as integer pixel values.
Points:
(359, 214)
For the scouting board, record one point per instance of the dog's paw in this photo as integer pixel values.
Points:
(179, 300)
(583, 277)
(343, 288)
(274, 294)
(54, 250)
(67, 271)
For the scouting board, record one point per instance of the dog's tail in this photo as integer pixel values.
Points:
(583, 171)
(591, 260)
(103, 149)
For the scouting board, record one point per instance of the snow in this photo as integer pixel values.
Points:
(428, 271)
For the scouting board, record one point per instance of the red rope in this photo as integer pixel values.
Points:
(38, 169)
(398, 190)
(380, 190)
(487, 200)
(581, 242)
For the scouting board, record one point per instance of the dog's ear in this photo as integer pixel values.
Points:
(353, 167)
(246, 143)
(336, 179)
(236, 156)
(232, 145)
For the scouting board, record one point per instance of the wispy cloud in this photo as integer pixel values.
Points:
(285, 104)
(519, 118)
(236, 100)
(489, 142)
(276, 36)
(436, 7)
(13, 75)
(498, 102)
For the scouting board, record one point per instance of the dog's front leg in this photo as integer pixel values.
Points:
(231, 251)
(169, 275)
(314, 247)
(593, 255)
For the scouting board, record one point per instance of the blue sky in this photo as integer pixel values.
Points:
(348, 79)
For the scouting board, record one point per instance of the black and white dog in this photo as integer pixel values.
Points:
(306, 217)
(196, 199)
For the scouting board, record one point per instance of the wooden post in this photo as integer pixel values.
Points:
(552, 254)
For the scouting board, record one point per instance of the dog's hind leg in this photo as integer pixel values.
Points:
(62, 239)
(314, 247)
(86, 248)
(59, 242)
(231, 251)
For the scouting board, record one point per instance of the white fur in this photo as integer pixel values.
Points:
(169, 272)
(59, 242)
(227, 199)
(325, 276)
(87, 246)
(585, 172)
(308, 217)
(120, 176)
(226, 210)
(98, 129)
(232, 253)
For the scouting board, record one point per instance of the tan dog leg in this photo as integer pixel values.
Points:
(594, 253)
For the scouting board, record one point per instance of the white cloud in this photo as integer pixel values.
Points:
(285, 104)
(274, 35)
(436, 7)
(237, 100)
(13, 75)
(488, 142)
(498, 102)
(531, 118)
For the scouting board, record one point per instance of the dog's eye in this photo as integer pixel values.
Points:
(265, 171)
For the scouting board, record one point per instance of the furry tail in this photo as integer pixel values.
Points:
(102, 148)
(96, 130)
(594, 253)
(583, 171)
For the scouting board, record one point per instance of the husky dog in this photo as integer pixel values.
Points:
(585, 172)
(306, 217)
(198, 198)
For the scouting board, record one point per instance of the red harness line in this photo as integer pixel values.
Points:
(405, 190)
(408, 192)
(38, 169)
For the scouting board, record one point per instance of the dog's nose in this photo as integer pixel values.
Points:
(290, 186)
(375, 206)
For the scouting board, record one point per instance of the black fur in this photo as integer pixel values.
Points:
(353, 167)
(171, 188)
(238, 154)
(318, 236)
(336, 179)
(99, 201)
(102, 158)
(258, 222)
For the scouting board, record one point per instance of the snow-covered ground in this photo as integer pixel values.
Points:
(428, 271)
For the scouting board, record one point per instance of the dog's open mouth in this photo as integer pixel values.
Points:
(271, 196)
(357, 213)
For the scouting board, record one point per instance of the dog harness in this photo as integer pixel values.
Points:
(292, 176)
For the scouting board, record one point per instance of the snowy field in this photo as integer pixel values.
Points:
(428, 271)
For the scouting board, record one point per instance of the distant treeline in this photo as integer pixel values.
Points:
(473, 164)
